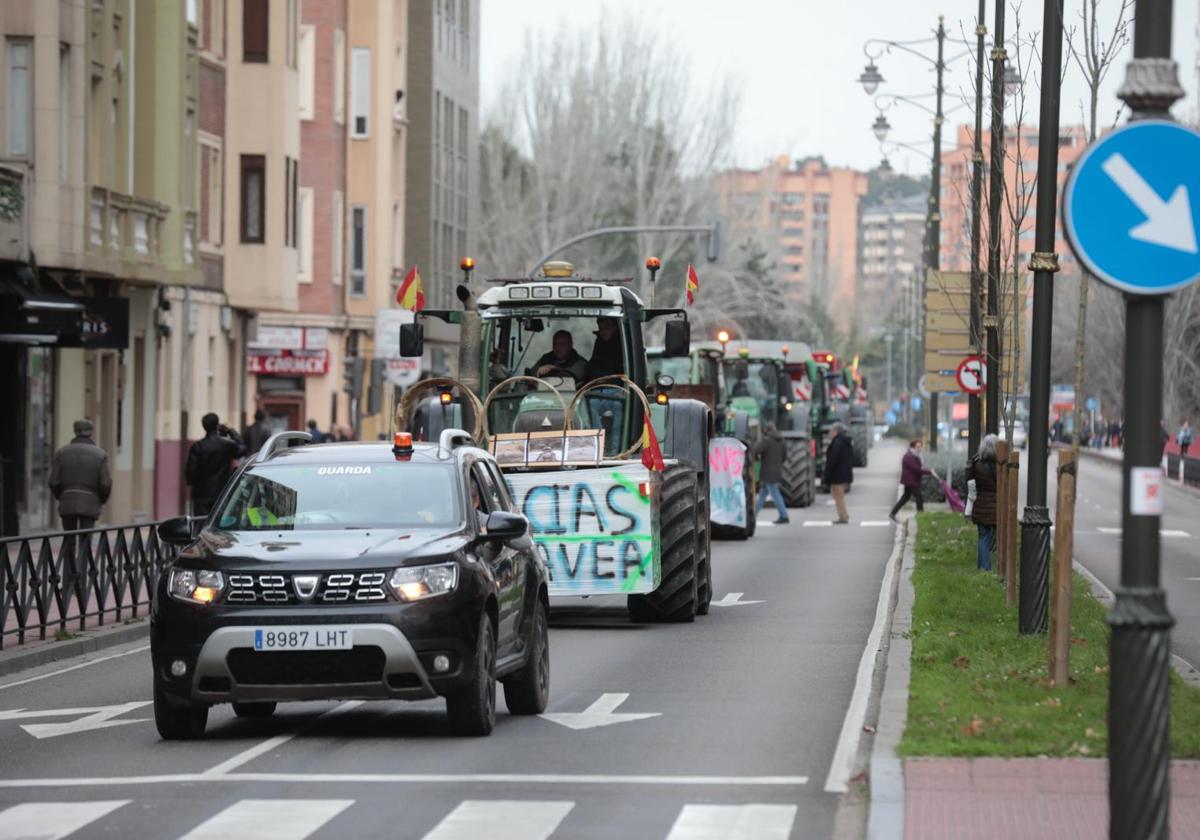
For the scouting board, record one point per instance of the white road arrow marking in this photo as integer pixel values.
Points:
(601, 713)
(733, 599)
(95, 717)
(1168, 223)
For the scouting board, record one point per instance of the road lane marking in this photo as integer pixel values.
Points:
(97, 661)
(603, 712)
(733, 599)
(275, 819)
(1174, 533)
(501, 820)
(819, 523)
(94, 717)
(734, 822)
(52, 820)
(838, 779)
(266, 746)
(1109, 530)
(413, 778)
(875, 523)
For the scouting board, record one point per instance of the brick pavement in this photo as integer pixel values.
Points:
(1026, 798)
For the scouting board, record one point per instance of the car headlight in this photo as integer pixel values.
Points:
(199, 586)
(414, 583)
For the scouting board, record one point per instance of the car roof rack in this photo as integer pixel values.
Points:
(451, 439)
(280, 441)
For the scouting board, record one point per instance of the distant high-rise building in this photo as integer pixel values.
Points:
(806, 214)
(892, 247)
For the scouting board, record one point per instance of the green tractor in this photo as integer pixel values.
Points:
(553, 380)
(849, 400)
(733, 470)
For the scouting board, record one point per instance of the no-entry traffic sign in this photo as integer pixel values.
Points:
(972, 375)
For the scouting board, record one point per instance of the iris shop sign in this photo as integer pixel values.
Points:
(103, 324)
(593, 528)
(283, 362)
(726, 485)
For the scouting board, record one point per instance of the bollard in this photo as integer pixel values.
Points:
(1064, 550)
(1001, 505)
(1010, 562)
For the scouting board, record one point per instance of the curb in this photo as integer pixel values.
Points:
(16, 660)
(886, 818)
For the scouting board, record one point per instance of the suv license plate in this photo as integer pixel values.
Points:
(304, 638)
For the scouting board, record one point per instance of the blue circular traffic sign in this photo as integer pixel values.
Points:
(1131, 204)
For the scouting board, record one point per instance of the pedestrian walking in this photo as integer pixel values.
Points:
(839, 470)
(912, 470)
(981, 494)
(210, 462)
(256, 434)
(770, 453)
(1184, 438)
(80, 480)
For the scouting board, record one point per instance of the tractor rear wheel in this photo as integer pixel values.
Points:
(678, 593)
(798, 479)
(859, 442)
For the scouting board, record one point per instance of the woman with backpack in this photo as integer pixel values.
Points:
(981, 505)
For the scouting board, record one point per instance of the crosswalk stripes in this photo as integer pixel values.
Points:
(52, 820)
(734, 822)
(270, 819)
(501, 820)
(296, 819)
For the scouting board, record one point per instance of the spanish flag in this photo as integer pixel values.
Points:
(411, 295)
(652, 458)
(693, 284)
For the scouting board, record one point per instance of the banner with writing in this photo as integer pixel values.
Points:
(726, 484)
(594, 528)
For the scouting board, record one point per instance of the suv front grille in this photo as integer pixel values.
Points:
(360, 664)
(331, 588)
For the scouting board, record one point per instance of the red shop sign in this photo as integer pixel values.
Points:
(284, 362)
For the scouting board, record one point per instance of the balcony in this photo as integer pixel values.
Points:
(125, 227)
(14, 232)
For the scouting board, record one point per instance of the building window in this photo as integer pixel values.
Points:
(210, 190)
(293, 20)
(358, 251)
(20, 114)
(253, 197)
(212, 27)
(193, 12)
(339, 77)
(339, 235)
(304, 248)
(308, 54)
(64, 113)
(360, 92)
(255, 30)
(291, 168)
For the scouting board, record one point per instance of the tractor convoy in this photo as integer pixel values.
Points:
(627, 460)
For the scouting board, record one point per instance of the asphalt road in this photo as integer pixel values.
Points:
(734, 724)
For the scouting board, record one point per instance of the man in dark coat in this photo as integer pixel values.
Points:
(770, 452)
(562, 358)
(607, 357)
(210, 463)
(80, 479)
(839, 470)
(256, 435)
(912, 469)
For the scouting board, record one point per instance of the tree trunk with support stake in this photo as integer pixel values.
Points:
(1010, 544)
(1064, 551)
(1001, 506)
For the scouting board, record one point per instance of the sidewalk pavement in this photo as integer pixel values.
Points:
(989, 798)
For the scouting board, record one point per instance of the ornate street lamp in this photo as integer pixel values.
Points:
(881, 128)
(870, 79)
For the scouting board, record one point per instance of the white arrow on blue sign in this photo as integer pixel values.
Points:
(1131, 204)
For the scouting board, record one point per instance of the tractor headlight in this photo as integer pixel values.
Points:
(199, 586)
(415, 583)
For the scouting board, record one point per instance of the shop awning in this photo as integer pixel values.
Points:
(34, 309)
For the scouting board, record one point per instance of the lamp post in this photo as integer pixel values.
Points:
(1001, 79)
(870, 80)
(1035, 523)
(976, 202)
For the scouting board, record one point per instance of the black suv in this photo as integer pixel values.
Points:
(353, 571)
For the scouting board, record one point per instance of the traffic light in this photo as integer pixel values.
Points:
(353, 368)
(375, 389)
(714, 242)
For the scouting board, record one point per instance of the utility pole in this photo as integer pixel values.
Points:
(934, 240)
(888, 339)
(976, 224)
(1035, 525)
(995, 198)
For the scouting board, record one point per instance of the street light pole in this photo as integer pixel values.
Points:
(1035, 525)
(933, 260)
(888, 338)
(995, 198)
(1139, 721)
(976, 224)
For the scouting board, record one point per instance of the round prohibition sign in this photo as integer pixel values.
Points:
(972, 375)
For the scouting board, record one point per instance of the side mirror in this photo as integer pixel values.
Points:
(412, 340)
(177, 531)
(503, 526)
(534, 325)
(678, 340)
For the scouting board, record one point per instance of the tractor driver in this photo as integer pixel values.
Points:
(562, 359)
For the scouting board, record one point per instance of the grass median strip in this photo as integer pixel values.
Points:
(978, 688)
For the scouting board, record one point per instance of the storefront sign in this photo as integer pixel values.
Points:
(104, 323)
(292, 338)
(284, 362)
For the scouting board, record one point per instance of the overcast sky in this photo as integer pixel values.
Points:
(798, 61)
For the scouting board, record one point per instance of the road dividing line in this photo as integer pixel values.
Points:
(276, 819)
(819, 523)
(734, 822)
(838, 779)
(96, 661)
(1109, 530)
(52, 820)
(273, 743)
(875, 523)
(501, 820)
(1184, 534)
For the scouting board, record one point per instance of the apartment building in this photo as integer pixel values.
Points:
(892, 246)
(807, 214)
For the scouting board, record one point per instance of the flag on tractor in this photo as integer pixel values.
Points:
(411, 295)
(652, 458)
(693, 284)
